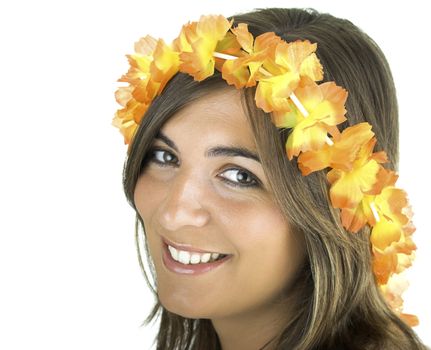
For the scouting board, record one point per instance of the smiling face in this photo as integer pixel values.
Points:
(203, 189)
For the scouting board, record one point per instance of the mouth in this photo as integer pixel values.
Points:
(177, 248)
(191, 262)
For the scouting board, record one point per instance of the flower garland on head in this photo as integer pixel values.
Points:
(286, 75)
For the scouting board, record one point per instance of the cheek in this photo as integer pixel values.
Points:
(255, 225)
(147, 195)
(268, 253)
(267, 258)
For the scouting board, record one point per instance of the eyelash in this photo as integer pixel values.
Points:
(254, 181)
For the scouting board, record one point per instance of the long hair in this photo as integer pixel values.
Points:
(336, 302)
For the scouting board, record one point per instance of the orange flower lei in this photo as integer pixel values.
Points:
(285, 76)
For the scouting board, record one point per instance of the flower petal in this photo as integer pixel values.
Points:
(391, 203)
(325, 106)
(272, 93)
(341, 154)
(348, 188)
(165, 64)
(201, 41)
(385, 233)
(384, 265)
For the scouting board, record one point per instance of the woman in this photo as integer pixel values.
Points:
(247, 252)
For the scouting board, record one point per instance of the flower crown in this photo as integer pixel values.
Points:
(286, 75)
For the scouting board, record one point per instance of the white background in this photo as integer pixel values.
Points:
(69, 275)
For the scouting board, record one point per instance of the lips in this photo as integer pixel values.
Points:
(189, 248)
(190, 269)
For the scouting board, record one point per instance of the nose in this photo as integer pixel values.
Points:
(183, 204)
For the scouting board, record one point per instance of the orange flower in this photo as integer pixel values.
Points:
(124, 95)
(353, 219)
(325, 105)
(245, 70)
(292, 62)
(356, 218)
(134, 97)
(384, 265)
(406, 247)
(348, 187)
(140, 61)
(299, 56)
(392, 292)
(391, 202)
(229, 45)
(165, 64)
(406, 260)
(128, 119)
(411, 320)
(385, 232)
(198, 42)
(395, 258)
(151, 67)
(341, 154)
(186, 36)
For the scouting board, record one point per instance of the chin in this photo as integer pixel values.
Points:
(185, 312)
(184, 309)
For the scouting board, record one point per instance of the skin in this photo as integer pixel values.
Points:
(187, 201)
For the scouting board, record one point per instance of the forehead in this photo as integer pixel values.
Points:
(217, 116)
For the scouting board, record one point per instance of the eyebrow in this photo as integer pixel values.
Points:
(217, 151)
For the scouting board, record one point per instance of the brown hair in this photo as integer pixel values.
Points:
(340, 305)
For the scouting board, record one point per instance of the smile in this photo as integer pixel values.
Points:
(189, 262)
(186, 257)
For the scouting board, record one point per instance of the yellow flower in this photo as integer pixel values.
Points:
(299, 56)
(349, 187)
(140, 61)
(411, 320)
(124, 95)
(165, 64)
(391, 240)
(292, 61)
(325, 105)
(396, 255)
(384, 265)
(341, 154)
(151, 67)
(128, 119)
(385, 232)
(391, 202)
(353, 219)
(392, 292)
(198, 42)
(247, 69)
(186, 36)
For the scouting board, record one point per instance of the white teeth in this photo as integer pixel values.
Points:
(195, 259)
(214, 255)
(187, 258)
(205, 257)
(174, 252)
(184, 257)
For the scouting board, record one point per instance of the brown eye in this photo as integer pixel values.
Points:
(240, 177)
(163, 157)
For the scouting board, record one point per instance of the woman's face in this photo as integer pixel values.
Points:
(203, 189)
